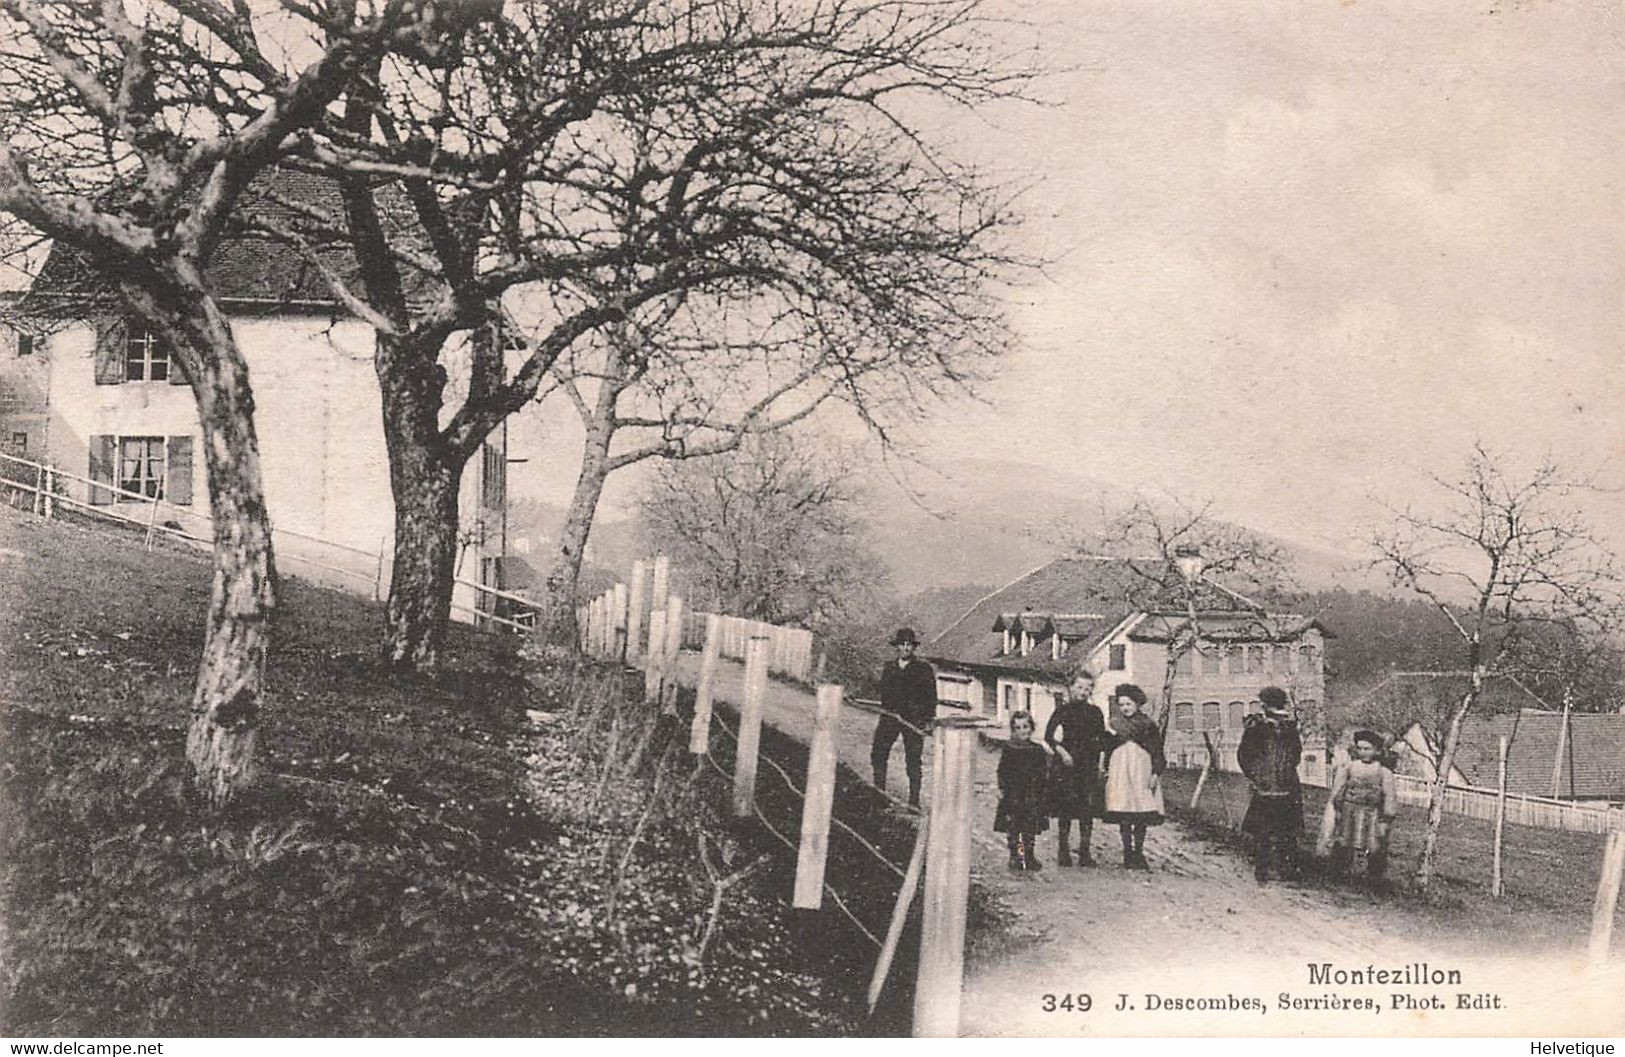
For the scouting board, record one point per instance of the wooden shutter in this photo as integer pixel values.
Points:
(177, 373)
(178, 483)
(111, 335)
(103, 459)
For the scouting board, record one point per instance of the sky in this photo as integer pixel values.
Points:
(1304, 254)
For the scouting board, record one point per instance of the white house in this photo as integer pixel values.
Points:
(97, 395)
(1019, 647)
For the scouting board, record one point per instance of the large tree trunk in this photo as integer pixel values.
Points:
(425, 475)
(231, 676)
(419, 606)
(564, 577)
(1441, 781)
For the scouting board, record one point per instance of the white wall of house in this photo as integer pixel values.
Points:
(319, 421)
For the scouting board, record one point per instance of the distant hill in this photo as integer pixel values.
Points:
(992, 520)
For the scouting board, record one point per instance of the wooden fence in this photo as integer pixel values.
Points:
(617, 622)
(51, 492)
(1539, 811)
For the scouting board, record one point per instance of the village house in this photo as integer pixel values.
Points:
(1019, 647)
(93, 393)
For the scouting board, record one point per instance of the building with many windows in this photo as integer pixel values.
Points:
(1133, 621)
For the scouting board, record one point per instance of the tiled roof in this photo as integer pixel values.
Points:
(1593, 764)
(246, 269)
(1095, 594)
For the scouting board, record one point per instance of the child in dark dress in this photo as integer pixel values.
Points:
(1023, 778)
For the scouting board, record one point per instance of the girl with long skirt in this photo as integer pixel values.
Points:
(1134, 774)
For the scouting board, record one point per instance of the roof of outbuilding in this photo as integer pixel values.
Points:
(1593, 757)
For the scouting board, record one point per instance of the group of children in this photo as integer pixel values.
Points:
(1035, 786)
(1063, 779)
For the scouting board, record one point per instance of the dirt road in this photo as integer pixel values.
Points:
(1197, 947)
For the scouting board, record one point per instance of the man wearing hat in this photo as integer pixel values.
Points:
(1269, 753)
(908, 706)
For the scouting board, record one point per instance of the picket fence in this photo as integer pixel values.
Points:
(1539, 811)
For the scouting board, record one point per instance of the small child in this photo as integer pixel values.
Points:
(1363, 790)
(1023, 772)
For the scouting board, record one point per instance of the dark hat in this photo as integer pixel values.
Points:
(905, 635)
(1131, 691)
(1274, 699)
(1368, 735)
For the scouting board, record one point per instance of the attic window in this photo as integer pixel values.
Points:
(1005, 644)
(145, 357)
(25, 344)
(1118, 659)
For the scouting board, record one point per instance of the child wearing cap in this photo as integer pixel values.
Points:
(1363, 791)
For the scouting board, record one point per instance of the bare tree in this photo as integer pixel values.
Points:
(130, 133)
(767, 532)
(1503, 557)
(1188, 562)
(701, 178)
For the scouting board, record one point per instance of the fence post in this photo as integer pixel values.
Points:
(815, 809)
(378, 573)
(39, 492)
(661, 587)
(1613, 865)
(899, 912)
(50, 492)
(699, 736)
(670, 653)
(750, 726)
(653, 661)
(152, 521)
(634, 614)
(1500, 815)
(1201, 779)
(617, 606)
(947, 881)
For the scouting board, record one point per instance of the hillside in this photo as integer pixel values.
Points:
(424, 855)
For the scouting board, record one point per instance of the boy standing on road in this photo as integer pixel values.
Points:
(1269, 753)
(908, 707)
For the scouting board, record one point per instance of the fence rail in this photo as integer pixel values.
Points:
(44, 489)
(1523, 810)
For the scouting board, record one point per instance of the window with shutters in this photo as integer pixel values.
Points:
(145, 357)
(1235, 713)
(1118, 658)
(1184, 716)
(1211, 718)
(1184, 662)
(141, 467)
(144, 467)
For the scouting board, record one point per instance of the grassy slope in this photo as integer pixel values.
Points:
(402, 871)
